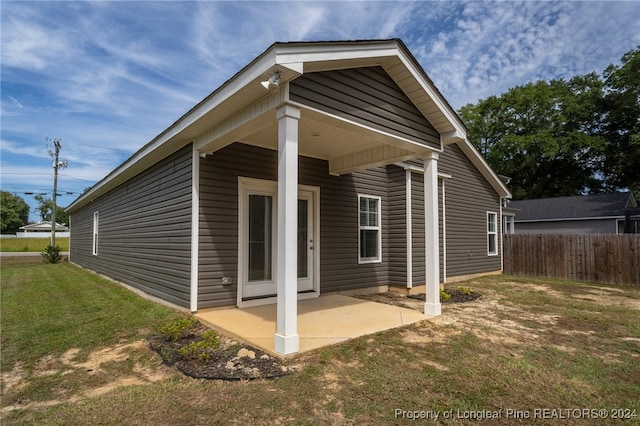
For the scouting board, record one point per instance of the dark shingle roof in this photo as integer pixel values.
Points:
(580, 206)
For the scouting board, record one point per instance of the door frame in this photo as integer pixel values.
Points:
(268, 186)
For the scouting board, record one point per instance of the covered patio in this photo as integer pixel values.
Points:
(322, 321)
(355, 109)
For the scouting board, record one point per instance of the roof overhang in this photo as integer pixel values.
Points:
(241, 110)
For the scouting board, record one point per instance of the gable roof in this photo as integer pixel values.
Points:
(44, 226)
(574, 207)
(222, 109)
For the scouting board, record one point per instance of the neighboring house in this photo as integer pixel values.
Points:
(581, 214)
(319, 167)
(43, 227)
(42, 230)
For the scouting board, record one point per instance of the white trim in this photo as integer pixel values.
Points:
(444, 234)
(286, 339)
(96, 233)
(270, 187)
(258, 187)
(432, 304)
(500, 237)
(409, 228)
(195, 227)
(495, 233)
(483, 167)
(378, 228)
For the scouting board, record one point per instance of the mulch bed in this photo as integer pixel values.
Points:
(231, 361)
(457, 296)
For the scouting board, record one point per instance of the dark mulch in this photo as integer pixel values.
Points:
(231, 361)
(457, 296)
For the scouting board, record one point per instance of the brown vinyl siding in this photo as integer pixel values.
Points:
(417, 226)
(397, 226)
(339, 268)
(468, 198)
(144, 235)
(367, 96)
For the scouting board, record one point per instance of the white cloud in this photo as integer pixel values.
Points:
(107, 77)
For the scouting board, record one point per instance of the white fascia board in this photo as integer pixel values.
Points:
(135, 164)
(460, 132)
(297, 57)
(481, 164)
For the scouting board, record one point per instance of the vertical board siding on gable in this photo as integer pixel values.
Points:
(468, 198)
(144, 235)
(367, 96)
(397, 226)
(339, 268)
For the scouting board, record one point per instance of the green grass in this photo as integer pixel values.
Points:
(16, 245)
(48, 309)
(589, 357)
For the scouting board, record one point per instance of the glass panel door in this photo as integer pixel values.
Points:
(260, 237)
(303, 238)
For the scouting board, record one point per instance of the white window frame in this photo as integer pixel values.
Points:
(378, 228)
(96, 218)
(492, 234)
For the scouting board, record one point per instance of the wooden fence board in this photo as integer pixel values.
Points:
(602, 258)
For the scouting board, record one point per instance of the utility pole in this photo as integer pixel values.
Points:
(56, 165)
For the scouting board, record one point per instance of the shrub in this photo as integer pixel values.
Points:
(201, 350)
(178, 329)
(51, 254)
(444, 296)
(465, 290)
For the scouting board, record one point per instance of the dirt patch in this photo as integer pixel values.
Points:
(104, 362)
(230, 361)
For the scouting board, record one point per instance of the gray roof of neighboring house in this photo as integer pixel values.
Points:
(575, 207)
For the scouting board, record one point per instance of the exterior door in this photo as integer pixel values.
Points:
(258, 240)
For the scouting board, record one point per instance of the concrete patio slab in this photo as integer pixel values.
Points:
(322, 321)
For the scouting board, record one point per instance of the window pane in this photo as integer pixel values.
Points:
(369, 244)
(260, 236)
(491, 222)
(492, 243)
(303, 236)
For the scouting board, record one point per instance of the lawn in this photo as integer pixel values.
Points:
(73, 352)
(31, 244)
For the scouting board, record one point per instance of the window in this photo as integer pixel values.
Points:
(95, 233)
(492, 234)
(370, 243)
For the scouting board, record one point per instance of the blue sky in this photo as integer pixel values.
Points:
(107, 77)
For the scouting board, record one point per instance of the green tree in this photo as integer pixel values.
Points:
(621, 123)
(542, 135)
(45, 207)
(14, 212)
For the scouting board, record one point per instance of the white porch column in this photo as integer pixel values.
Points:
(287, 340)
(431, 237)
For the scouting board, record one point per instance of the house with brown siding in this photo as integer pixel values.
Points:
(320, 167)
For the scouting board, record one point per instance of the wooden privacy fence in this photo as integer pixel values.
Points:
(602, 258)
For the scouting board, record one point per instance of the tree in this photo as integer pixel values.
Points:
(564, 137)
(621, 123)
(14, 212)
(542, 136)
(45, 207)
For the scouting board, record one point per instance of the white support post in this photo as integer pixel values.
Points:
(195, 227)
(287, 340)
(431, 237)
(409, 230)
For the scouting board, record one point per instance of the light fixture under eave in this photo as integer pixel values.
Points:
(273, 83)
